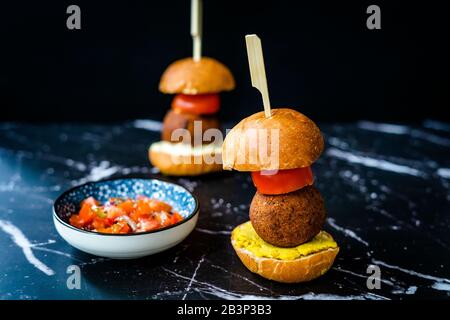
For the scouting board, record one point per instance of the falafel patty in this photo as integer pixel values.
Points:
(175, 119)
(288, 220)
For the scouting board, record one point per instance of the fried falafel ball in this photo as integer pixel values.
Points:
(288, 220)
(175, 119)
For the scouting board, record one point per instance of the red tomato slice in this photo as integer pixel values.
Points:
(197, 104)
(284, 181)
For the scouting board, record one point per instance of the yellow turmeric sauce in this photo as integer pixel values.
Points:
(246, 237)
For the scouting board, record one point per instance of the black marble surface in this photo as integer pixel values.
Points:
(386, 189)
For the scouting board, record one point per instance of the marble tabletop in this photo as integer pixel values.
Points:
(386, 188)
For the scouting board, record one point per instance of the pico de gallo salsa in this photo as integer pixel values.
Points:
(124, 216)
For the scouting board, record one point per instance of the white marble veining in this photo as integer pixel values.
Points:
(438, 282)
(380, 164)
(444, 173)
(211, 289)
(23, 243)
(188, 288)
(101, 171)
(214, 232)
(404, 130)
(347, 232)
(436, 125)
(253, 283)
(146, 124)
(384, 127)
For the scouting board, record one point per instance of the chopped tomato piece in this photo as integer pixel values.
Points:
(148, 224)
(121, 227)
(176, 217)
(284, 181)
(75, 221)
(157, 206)
(127, 206)
(100, 223)
(117, 228)
(135, 215)
(91, 201)
(113, 213)
(87, 213)
(143, 207)
(197, 104)
(163, 219)
(147, 206)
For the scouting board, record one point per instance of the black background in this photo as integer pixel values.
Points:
(320, 58)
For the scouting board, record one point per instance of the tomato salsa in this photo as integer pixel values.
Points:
(122, 215)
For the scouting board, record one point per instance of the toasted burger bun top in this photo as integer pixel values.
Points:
(187, 76)
(299, 142)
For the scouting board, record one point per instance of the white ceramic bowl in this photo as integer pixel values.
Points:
(126, 246)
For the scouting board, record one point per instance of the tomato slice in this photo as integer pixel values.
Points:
(197, 104)
(284, 181)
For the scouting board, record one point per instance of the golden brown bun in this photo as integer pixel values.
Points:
(300, 142)
(288, 271)
(288, 220)
(171, 162)
(187, 76)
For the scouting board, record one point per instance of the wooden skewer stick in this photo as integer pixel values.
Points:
(196, 28)
(257, 70)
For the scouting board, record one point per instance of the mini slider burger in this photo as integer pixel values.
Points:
(196, 82)
(284, 240)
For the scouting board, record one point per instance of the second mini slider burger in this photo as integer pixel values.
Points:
(284, 240)
(196, 82)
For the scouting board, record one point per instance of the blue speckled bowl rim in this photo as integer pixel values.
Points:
(189, 217)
